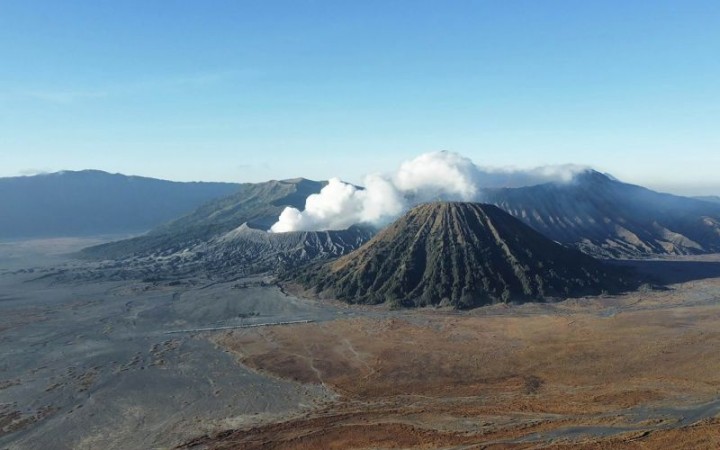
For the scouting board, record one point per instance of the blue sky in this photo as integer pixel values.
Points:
(253, 90)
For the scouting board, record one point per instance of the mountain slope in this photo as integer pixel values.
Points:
(460, 254)
(258, 251)
(243, 251)
(258, 204)
(608, 218)
(708, 198)
(92, 202)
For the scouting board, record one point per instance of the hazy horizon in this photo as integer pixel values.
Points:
(677, 189)
(246, 92)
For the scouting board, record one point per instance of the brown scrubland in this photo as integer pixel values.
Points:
(636, 371)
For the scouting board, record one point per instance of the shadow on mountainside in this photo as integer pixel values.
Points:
(671, 272)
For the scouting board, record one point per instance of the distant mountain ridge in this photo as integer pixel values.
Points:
(461, 255)
(258, 204)
(607, 218)
(93, 202)
(595, 213)
(708, 198)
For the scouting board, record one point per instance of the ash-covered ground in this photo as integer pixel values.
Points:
(96, 365)
(89, 364)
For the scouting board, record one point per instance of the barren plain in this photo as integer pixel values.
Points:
(133, 365)
(635, 371)
(118, 365)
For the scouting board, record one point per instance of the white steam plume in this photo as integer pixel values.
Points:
(430, 176)
(340, 205)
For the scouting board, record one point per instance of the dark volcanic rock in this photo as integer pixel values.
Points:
(607, 218)
(241, 252)
(257, 251)
(464, 255)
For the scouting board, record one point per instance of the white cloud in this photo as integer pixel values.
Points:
(430, 176)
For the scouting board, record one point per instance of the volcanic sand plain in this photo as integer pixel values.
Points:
(129, 364)
(119, 365)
